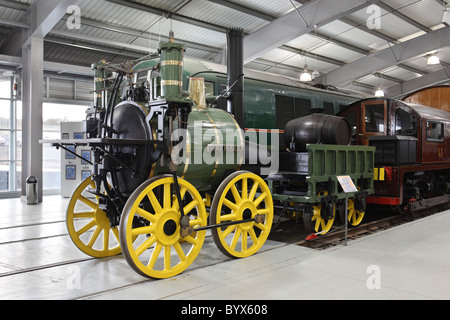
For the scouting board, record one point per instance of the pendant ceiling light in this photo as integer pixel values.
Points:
(433, 60)
(305, 76)
(379, 93)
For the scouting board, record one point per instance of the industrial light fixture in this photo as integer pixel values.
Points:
(315, 74)
(433, 60)
(379, 93)
(305, 76)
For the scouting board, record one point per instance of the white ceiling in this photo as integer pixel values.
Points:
(119, 29)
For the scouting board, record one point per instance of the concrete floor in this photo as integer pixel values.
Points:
(39, 261)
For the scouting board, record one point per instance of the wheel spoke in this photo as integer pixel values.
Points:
(260, 198)
(244, 189)
(155, 255)
(145, 245)
(190, 206)
(252, 194)
(236, 237)
(105, 239)
(146, 215)
(94, 236)
(87, 227)
(167, 196)
(244, 240)
(167, 258)
(176, 205)
(142, 230)
(253, 235)
(154, 202)
(179, 251)
(236, 195)
(227, 217)
(88, 202)
(78, 215)
(230, 204)
(228, 230)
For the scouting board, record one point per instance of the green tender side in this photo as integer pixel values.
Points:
(326, 162)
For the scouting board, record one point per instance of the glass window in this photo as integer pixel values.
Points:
(405, 123)
(209, 89)
(5, 87)
(374, 118)
(328, 108)
(435, 131)
(5, 113)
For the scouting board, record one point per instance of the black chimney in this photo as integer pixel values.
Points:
(235, 63)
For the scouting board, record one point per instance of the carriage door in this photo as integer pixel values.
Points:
(374, 119)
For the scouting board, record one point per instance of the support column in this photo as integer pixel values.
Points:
(32, 102)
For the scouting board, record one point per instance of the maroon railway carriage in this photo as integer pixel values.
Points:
(412, 156)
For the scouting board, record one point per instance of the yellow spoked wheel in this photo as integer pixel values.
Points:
(88, 226)
(242, 195)
(152, 215)
(314, 222)
(354, 216)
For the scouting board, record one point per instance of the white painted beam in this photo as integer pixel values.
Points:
(404, 88)
(393, 55)
(297, 23)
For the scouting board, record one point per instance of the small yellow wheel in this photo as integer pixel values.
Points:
(152, 215)
(86, 221)
(313, 220)
(355, 217)
(242, 195)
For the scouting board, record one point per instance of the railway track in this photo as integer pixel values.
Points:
(338, 235)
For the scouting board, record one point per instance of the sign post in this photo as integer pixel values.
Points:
(347, 186)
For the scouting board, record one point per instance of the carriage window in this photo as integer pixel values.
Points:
(435, 131)
(142, 76)
(328, 108)
(405, 123)
(209, 89)
(375, 118)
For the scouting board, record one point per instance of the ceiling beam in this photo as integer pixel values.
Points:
(296, 23)
(43, 15)
(403, 17)
(390, 56)
(409, 86)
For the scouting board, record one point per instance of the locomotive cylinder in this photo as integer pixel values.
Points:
(316, 128)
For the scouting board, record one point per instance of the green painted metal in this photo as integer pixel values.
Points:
(215, 146)
(171, 67)
(326, 162)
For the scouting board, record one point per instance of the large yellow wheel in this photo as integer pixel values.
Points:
(355, 217)
(152, 214)
(242, 195)
(88, 226)
(313, 220)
